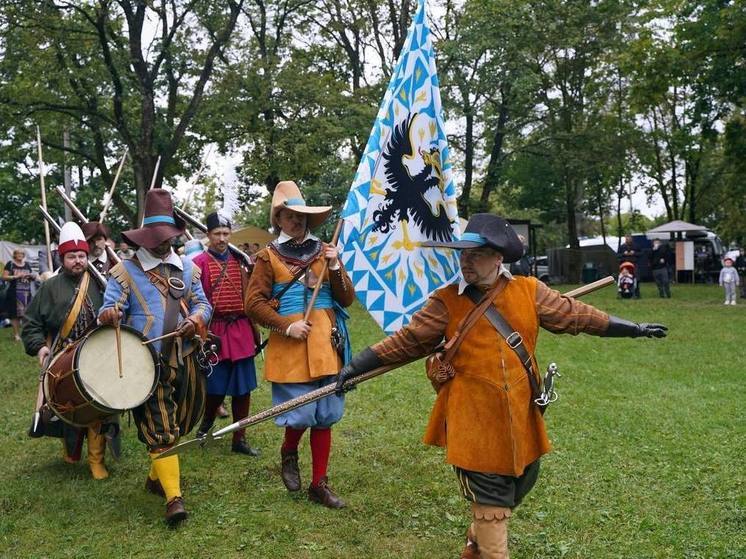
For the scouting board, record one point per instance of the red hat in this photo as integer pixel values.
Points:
(71, 239)
(94, 229)
(159, 222)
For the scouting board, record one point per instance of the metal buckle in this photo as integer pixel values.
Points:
(514, 340)
(176, 283)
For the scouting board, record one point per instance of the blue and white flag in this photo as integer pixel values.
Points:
(403, 193)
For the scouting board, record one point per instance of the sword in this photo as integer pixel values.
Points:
(548, 394)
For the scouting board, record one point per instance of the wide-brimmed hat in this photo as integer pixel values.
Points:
(287, 196)
(159, 223)
(94, 229)
(71, 239)
(487, 230)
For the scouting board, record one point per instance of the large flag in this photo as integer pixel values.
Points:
(403, 193)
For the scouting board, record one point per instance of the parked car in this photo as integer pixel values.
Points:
(540, 268)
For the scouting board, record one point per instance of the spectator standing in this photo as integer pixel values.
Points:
(741, 269)
(18, 273)
(659, 265)
(729, 280)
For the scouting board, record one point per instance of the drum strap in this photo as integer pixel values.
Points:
(72, 316)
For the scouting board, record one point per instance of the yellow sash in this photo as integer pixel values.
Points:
(72, 316)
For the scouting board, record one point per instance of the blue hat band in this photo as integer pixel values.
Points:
(474, 238)
(295, 202)
(159, 219)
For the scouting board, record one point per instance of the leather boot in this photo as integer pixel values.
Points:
(175, 511)
(242, 447)
(490, 530)
(324, 495)
(471, 549)
(290, 471)
(96, 448)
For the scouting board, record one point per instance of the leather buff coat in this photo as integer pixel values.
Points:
(484, 416)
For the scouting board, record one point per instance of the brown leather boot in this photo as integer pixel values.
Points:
(324, 495)
(154, 486)
(175, 511)
(290, 471)
(471, 549)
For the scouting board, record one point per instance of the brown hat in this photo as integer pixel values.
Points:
(287, 195)
(159, 221)
(94, 229)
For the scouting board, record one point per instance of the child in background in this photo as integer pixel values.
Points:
(626, 281)
(729, 280)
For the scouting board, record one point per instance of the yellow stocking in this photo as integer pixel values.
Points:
(167, 472)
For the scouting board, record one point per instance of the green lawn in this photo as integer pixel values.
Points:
(648, 461)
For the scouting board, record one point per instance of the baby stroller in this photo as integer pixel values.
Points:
(627, 282)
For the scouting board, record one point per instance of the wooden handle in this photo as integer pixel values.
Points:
(585, 289)
(163, 337)
(320, 280)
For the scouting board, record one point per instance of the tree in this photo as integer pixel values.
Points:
(116, 73)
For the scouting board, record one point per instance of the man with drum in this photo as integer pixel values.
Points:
(224, 280)
(160, 294)
(62, 311)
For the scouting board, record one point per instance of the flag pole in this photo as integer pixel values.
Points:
(44, 198)
(320, 279)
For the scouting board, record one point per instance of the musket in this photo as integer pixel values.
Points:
(110, 194)
(155, 173)
(44, 199)
(83, 219)
(194, 222)
(327, 390)
(274, 411)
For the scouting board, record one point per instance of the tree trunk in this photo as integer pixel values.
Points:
(463, 202)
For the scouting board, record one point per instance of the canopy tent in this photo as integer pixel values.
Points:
(677, 226)
(32, 252)
(251, 235)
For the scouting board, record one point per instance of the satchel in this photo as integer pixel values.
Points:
(438, 366)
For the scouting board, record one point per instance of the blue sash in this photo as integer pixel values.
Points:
(291, 302)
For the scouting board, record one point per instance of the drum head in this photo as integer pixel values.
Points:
(98, 368)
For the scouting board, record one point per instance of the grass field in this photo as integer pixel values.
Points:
(648, 461)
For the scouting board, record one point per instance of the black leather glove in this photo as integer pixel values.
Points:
(621, 328)
(361, 363)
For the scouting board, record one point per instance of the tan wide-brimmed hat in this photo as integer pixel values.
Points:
(287, 196)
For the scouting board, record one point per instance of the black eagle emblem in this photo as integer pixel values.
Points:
(405, 197)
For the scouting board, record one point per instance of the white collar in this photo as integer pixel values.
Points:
(103, 257)
(284, 237)
(148, 261)
(503, 272)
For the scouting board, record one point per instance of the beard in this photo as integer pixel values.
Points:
(75, 271)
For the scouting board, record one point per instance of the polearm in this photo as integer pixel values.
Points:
(187, 199)
(194, 222)
(315, 294)
(100, 279)
(44, 199)
(83, 219)
(329, 389)
(110, 194)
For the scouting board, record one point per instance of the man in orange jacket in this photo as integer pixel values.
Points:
(496, 433)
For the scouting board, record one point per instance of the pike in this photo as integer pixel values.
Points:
(83, 219)
(110, 194)
(315, 294)
(44, 199)
(330, 389)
